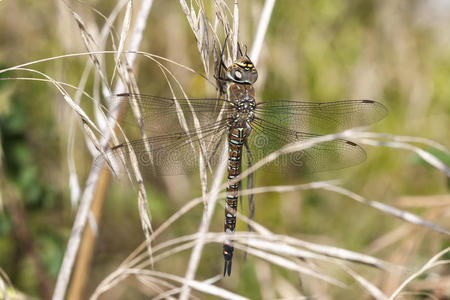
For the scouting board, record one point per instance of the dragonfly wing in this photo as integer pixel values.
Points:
(162, 115)
(321, 117)
(267, 138)
(173, 154)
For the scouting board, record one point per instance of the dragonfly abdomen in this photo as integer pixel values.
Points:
(236, 139)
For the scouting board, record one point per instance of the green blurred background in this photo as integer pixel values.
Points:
(395, 52)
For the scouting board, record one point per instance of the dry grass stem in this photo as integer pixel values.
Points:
(262, 29)
(432, 263)
(372, 289)
(86, 200)
(196, 285)
(204, 226)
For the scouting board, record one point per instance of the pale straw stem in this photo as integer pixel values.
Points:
(262, 29)
(81, 218)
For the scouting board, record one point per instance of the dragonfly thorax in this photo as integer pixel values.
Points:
(244, 111)
(241, 105)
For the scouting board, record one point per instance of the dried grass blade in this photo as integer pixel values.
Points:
(401, 214)
(83, 212)
(262, 29)
(204, 226)
(288, 264)
(373, 290)
(430, 264)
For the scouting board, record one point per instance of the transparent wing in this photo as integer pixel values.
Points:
(267, 137)
(161, 114)
(172, 154)
(321, 117)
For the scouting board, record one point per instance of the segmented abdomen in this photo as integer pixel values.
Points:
(236, 140)
(234, 169)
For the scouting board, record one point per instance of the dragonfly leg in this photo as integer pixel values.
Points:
(221, 84)
(221, 81)
(222, 63)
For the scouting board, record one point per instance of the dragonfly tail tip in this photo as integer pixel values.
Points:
(227, 268)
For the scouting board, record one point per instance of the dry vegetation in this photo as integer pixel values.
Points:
(378, 230)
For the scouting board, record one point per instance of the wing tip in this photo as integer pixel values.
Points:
(124, 94)
(380, 106)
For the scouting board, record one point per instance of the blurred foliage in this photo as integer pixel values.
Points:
(392, 51)
(22, 171)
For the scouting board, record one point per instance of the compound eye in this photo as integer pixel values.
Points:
(238, 74)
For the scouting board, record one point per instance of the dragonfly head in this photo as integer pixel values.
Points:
(242, 71)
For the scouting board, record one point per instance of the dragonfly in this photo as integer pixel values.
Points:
(250, 130)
